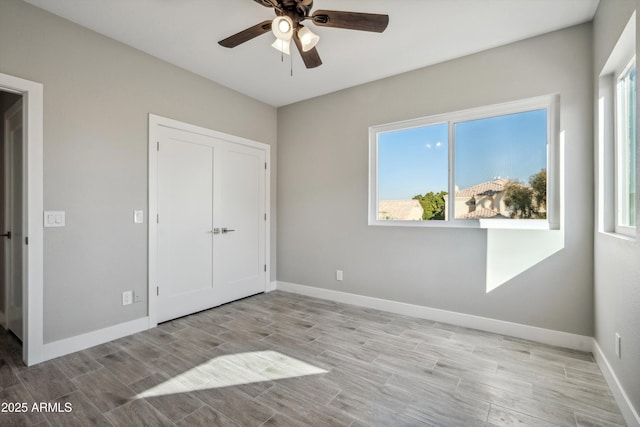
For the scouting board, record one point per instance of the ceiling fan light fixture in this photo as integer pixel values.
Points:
(308, 39)
(287, 26)
(283, 46)
(282, 27)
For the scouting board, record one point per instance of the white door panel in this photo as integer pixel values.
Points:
(240, 253)
(185, 218)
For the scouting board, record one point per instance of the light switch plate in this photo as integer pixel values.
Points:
(54, 219)
(138, 217)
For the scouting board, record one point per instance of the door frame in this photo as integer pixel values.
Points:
(155, 122)
(32, 289)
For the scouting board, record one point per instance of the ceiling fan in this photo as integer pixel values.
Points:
(288, 25)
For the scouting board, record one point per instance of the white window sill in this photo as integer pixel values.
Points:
(520, 224)
(511, 224)
(620, 236)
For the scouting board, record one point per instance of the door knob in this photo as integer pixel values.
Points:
(7, 235)
(227, 230)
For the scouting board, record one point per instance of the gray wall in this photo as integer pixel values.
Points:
(323, 179)
(97, 95)
(617, 266)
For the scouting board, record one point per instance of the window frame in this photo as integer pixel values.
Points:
(549, 102)
(619, 168)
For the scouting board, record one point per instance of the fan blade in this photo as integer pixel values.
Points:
(311, 58)
(246, 35)
(266, 3)
(351, 20)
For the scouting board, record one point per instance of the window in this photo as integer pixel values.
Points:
(413, 173)
(625, 150)
(616, 211)
(482, 167)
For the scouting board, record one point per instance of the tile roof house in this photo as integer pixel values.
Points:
(484, 200)
(481, 213)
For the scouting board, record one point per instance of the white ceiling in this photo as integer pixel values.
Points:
(420, 33)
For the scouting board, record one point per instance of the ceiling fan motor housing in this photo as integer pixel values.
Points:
(301, 8)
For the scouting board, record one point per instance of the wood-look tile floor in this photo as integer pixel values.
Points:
(282, 359)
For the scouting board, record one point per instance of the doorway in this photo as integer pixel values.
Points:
(31, 239)
(12, 212)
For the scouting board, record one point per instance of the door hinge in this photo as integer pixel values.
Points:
(158, 145)
(26, 240)
(265, 165)
(265, 217)
(157, 218)
(265, 267)
(157, 291)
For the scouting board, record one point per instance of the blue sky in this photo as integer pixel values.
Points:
(415, 161)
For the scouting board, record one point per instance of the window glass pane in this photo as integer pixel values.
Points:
(413, 173)
(501, 166)
(626, 148)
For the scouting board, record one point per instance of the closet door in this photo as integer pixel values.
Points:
(211, 226)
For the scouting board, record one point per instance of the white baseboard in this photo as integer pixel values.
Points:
(626, 407)
(533, 333)
(90, 339)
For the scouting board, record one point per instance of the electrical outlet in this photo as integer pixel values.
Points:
(137, 297)
(618, 346)
(339, 275)
(127, 297)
